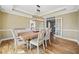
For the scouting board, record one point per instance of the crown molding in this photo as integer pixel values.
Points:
(60, 12)
(22, 11)
(54, 11)
(16, 13)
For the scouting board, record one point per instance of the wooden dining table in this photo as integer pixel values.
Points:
(28, 35)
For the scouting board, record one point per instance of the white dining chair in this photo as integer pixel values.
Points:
(38, 41)
(19, 39)
(47, 36)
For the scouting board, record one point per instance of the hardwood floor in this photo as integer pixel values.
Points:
(7, 46)
(58, 46)
(62, 46)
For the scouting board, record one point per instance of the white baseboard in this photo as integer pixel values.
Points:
(75, 40)
(10, 38)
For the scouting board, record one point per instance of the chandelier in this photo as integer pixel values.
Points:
(37, 17)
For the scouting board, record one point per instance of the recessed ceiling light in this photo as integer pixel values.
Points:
(38, 10)
(38, 6)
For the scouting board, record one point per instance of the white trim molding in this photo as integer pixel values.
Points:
(75, 40)
(73, 30)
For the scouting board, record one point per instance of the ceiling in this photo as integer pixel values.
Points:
(31, 9)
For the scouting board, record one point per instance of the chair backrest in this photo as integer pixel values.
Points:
(16, 32)
(20, 30)
(16, 38)
(40, 36)
(47, 36)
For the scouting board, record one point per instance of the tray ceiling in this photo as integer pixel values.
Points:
(31, 9)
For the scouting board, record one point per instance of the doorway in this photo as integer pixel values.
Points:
(50, 23)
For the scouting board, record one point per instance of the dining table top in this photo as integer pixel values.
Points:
(28, 35)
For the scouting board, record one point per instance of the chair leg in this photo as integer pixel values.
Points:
(45, 43)
(54, 37)
(43, 46)
(37, 49)
(49, 41)
(27, 45)
(30, 47)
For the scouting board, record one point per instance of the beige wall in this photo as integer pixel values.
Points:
(0, 24)
(78, 27)
(9, 21)
(13, 21)
(78, 19)
(0, 20)
(70, 22)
